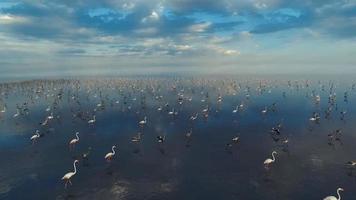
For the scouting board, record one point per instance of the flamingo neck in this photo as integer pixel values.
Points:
(113, 151)
(77, 136)
(273, 158)
(338, 194)
(75, 168)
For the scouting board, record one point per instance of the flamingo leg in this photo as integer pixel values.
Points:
(70, 182)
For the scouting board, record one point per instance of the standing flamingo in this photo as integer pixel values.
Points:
(35, 136)
(236, 109)
(3, 110)
(92, 121)
(74, 141)
(143, 122)
(109, 156)
(269, 161)
(264, 111)
(333, 197)
(69, 175)
(17, 113)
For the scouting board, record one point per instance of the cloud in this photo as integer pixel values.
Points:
(158, 30)
(282, 19)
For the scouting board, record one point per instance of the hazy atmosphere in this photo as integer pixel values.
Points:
(60, 37)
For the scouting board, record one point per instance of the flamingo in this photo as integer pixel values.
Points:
(241, 105)
(74, 141)
(3, 110)
(352, 163)
(92, 121)
(194, 117)
(269, 161)
(171, 112)
(236, 139)
(317, 98)
(264, 111)
(136, 138)
(236, 109)
(161, 139)
(69, 175)
(35, 136)
(109, 156)
(143, 122)
(45, 122)
(315, 117)
(333, 197)
(17, 113)
(50, 116)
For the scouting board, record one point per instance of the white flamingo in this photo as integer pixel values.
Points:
(194, 117)
(352, 163)
(69, 175)
(3, 110)
(17, 113)
(74, 141)
(50, 116)
(92, 121)
(269, 161)
(264, 111)
(109, 156)
(241, 105)
(35, 136)
(143, 122)
(236, 109)
(333, 197)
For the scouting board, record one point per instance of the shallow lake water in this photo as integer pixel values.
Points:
(310, 161)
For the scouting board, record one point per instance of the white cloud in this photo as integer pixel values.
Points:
(183, 47)
(201, 27)
(11, 19)
(230, 52)
(151, 18)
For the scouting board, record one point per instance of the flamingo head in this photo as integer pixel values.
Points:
(76, 161)
(340, 189)
(274, 152)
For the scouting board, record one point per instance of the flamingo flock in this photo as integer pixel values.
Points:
(200, 98)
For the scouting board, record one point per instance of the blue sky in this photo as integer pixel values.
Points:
(74, 37)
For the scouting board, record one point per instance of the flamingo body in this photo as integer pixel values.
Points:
(109, 156)
(333, 197)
